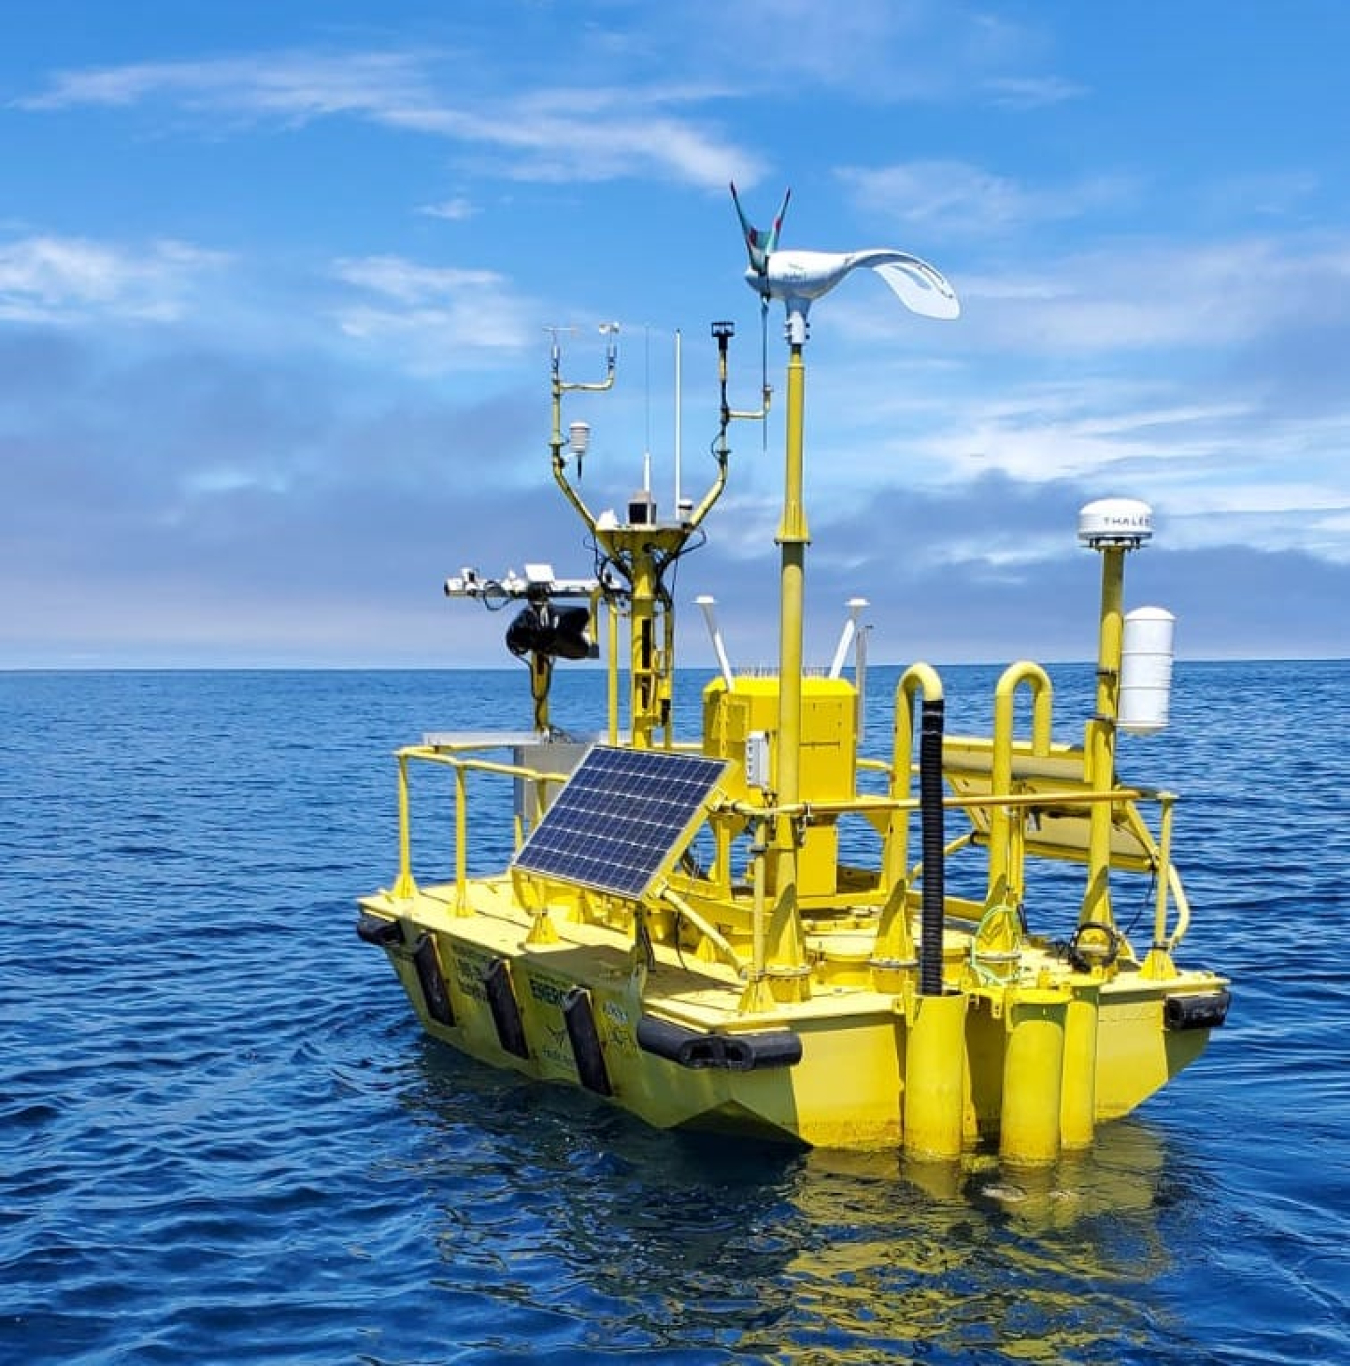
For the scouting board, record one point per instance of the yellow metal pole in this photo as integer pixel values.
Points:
(405, 888)
(1167, 802)
(793, 538)
(1101, 737)
(787, 949)
(641, 681)
(461, 839)
(757, 929)
(666, 685)
(613, 682)
(541, 676)
(758, 995)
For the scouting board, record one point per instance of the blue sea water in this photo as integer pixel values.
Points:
(223, 1137)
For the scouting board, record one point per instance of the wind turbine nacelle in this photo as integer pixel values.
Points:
(800, 277)
(798, 274)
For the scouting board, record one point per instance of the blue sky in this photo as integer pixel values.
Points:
(275, 279)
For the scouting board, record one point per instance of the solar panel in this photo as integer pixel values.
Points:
(620, 818)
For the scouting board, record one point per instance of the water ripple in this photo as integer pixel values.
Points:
(224, 1139)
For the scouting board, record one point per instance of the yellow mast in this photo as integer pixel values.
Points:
(786, 946)
(1112, 526)
(1100, 737)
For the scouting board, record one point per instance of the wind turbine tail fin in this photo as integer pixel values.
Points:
(921, 288)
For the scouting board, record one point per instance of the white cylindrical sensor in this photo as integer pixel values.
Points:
(1145, 670)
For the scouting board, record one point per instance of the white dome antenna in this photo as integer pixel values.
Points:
(1107, 523)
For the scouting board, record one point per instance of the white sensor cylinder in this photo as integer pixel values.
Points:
(1145, 670)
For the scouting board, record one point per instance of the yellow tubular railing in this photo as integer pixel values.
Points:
(1005, 879)
(896, 851)
(1169, 882)
(1158, 964)
(1183, 907)
(461, 838)
(405, 885)
(1006, 805)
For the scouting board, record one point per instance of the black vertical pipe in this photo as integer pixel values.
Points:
(930, 819)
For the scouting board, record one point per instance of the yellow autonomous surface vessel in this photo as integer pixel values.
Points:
(680, 930)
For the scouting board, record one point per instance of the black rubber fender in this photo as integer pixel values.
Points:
(505, 1008)
(587, 1053)
(431, 979)
(375, 929)
(731, 1052)
(1207, 1011)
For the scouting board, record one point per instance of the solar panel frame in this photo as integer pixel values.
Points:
(620, 819)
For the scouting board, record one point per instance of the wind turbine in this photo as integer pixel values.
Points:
(800, 277)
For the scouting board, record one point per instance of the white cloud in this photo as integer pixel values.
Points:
(64, 279)
(1137, 294)
(881, 51)
(1033, 92)
(1305, 527)
(953, 199)
(591, 135)
(455, 210)
(585, 132)
(408, 282)
(437, 318)
(296, 86)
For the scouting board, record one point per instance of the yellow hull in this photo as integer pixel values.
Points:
(1031, 1067)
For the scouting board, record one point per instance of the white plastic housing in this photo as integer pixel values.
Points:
(757, 759)
(1115, 522)
(1145, 670)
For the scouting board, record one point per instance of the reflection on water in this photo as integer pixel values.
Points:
(224, 1137)
(761, 1253)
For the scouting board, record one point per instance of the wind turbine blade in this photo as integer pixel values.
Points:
(740, 212)
(772, 243)
(920, 287)
(759, 260)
